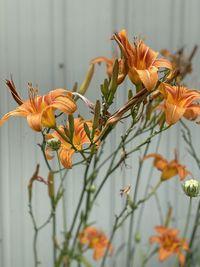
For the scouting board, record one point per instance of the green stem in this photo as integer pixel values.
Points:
(187, 218)
(130, 255)
(54, 231)
(194, 231)
(36, 261)
(114, 229)
(63, 197)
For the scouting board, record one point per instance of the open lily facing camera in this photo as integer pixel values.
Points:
(156, 101)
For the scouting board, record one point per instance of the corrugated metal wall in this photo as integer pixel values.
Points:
(50, 43)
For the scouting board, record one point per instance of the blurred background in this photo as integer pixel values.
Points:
(50, 43)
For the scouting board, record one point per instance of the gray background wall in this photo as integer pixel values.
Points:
(51, 43)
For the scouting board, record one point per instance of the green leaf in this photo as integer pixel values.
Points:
(87, 130)
(97, 111)
(105, 88)
(71, 126)
(113, 83)
(85, 262)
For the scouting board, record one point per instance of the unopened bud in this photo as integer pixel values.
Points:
(191, 188)
(54, 144)
(91, 188)
(137, 237)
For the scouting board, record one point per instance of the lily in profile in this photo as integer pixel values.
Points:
(143, 63)
(109, 67)
(96, 240)
(169, 244)
(68, 147)
(178, 102)
(170, 168)
(39, 110)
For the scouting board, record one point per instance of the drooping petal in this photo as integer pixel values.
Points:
(192, 112)
(34, 121)
(65, 156)
(168, 172)
(15, 113)
(173, 113)
(163, 63)
(109, 63)
(181, 258)
(98, 252)
(159, 162)
(164, 254)
(149, 77)
(182, 171)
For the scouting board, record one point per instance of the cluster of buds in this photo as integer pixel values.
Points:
(54, 144)
(191, 188)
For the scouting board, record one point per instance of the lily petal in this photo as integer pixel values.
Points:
(34, 121)
(173, 113)
(163, 63)
(149, 77)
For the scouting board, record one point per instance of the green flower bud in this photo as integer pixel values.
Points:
(191, 188)
(137, 237)
(54, 144)
(91, 188)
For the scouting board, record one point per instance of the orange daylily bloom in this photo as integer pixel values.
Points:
(168, 168)
(80, 138)
(169, 244)
(39, 110)
(109, 67)
(96, 240)
(179, 102)
(142, 61)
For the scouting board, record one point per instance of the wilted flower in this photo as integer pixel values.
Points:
(169, 244)
(168, 168)
(96, 240)
(142, 61)
(191, 188)
(181, 63)
(39, 110)
(125, 190)
(67, 149)
(179, 102)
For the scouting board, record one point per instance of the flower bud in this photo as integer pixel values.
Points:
(137, 237)
(91, 188)
(191, 188)
(54, 143)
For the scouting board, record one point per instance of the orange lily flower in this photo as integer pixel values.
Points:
(109, 67)
(96, 240)
(39, 110)
(169, 244)
(168, 168)
(179, 102)
(66, 149)
(142, 61)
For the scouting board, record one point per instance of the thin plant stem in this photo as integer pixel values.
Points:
(63, 197)
(36, 261)
(115, 227)
(54, 230)
(130, 255)
(188, 218)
